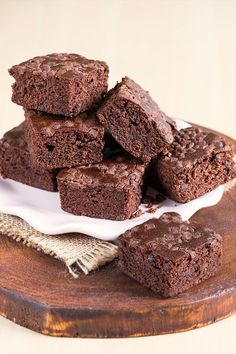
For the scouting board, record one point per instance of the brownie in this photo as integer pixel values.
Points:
(197, 162)
(109, 190)
(64, 84)
(56, 142)
(15, 162)
(168, 255)
(135, 120)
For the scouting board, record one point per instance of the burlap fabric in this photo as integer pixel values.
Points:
(75, 250)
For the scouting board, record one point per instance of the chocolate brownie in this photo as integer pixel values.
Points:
(56, 142)
(15, 162)
(108, 190)
(168, 255)
(135, 120)
(64, 84)
(197, 162)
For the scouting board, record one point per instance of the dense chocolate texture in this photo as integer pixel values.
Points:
(168, 255)
(56, 142)
(108, 190)
(111, 147)
(197, 162)
(64, 84)
(135, 120)
(15, 162)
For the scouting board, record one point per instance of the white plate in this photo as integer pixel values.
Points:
(42, 210)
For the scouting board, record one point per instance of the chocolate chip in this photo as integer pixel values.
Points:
(151, 258)
(186, 228)
(41, 107)
(183, 186)
(187, 273)
(187, 236)
(197, 234)
(150, 226)
(219, 145)
(167, 265)
(175, 248)
(50, 147)
(213, 242)
(174, 229)
(192, 254)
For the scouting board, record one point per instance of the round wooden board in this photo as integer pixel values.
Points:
(37, 292)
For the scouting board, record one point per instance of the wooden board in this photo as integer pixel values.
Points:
(37, 292)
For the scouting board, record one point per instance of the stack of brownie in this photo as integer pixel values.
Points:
(54, 91)
(101, 148)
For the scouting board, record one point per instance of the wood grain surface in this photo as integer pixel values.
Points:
(37, 292)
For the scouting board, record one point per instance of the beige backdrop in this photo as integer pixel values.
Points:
(183, 52)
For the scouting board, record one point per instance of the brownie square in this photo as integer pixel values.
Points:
(64, 84)
(197, 162)
(135, 120)
(107, 190)
(168, 255)
(56, 142)
(15, 162)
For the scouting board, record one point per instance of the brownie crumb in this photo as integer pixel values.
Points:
(136, 214)
(152, 209)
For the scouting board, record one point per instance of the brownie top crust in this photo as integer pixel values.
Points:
(192, 144)
(170, 237)
(121, 172)
(129, 90)
(61, 65)
(49, 124)
(15, 138)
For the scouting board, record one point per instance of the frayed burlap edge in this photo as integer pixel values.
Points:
(75, 250)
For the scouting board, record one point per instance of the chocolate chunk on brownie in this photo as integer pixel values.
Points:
(107, 190)
(15, 162)
(64, 84)
(168, 255)
(56, 142)
(135, 120)
(197, 162)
